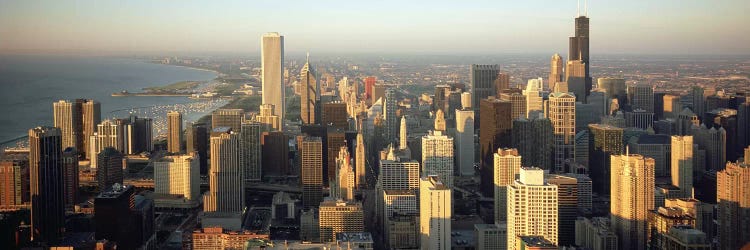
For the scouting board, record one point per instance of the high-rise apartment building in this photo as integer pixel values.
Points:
(537, 214)
(632, 197)
(251, 150)
(231, 118)
(338, 216)
(174, 132)
(47, 184)
(311, 170)
(655, 146)
(567, 206)
(398, 174)
(507, 166)
(226, 187)
(272, 68)
(178, 175)
(67, 118)
(309, 94)
(92, 116)
(562, 113)
(595, 233)
(391, 119)
(437, 156)
(491, 236)
(494, 132)
(482, 82)
(435, 211)
(14, 180)
(108, 134)
(733, 196)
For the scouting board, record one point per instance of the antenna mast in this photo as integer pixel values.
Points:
(578, 8)
(586, 7)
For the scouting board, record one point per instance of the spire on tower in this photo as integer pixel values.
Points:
(578, 8)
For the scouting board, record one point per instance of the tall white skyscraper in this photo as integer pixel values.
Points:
(68, 120)
(272, 76)
(682, 164)
(402, 136)
(562, 113)
(507, 165)
(226, 190)
(632, 197)
(465, 140)
(437, 156)
(434, 214)
(360, 161)
(532, 207)
(178, 175)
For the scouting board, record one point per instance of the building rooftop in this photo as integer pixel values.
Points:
(358, 237)
(536, 241)
(654, 139)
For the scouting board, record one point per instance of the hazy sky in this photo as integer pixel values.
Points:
(381, 26)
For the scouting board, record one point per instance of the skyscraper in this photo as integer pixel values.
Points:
(334, 114)
(465, 141)
(632, 197)
(272, 66)
(197, 141)
(641, 97)
(743, 124)
(226, 187)
(507, 165)
(517, 100)
(391, 119)
(14, 180)
(698, 100)
(567, 205)
(654, 146)
(437, 156)
(369, 85)
(109, 168)
(310, 94)
(562, 112)
(604, 141)
(344, 183)
(311, 170)
(178, 175)
(733, 195)
(68, 120)
(398, 174)
(275, 150)
(338, 216)
(231, 118)
(46, 187)
(682, 164)
(402, 135)
(579, 51)
(435, 211)
(672, 106)
(174, 131)
(502, 82)
(537, 214)
(92, 116)
(494, 132)
(713, 141)
(70, 166)
(533, 97)
(614, 87)
(555, 71)
(533, 139)
(251, 150)
(109, 134)
(360, 161)
(482, 79)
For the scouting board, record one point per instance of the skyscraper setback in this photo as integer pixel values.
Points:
(309, 94)
(579, 50)
(272, 77)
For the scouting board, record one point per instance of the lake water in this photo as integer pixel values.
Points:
(30, 84)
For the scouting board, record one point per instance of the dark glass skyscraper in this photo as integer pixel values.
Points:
(579, 49)
(46, 172)
(494, 132)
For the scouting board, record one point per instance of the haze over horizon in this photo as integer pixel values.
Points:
(392, 27)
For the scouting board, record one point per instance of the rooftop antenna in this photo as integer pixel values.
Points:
(578, 8)
(586, 7)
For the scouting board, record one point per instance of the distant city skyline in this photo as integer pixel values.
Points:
(630, 27)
